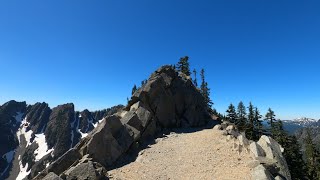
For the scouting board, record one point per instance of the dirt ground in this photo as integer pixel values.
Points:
(204, 154)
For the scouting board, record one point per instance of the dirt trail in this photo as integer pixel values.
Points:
(203, 154)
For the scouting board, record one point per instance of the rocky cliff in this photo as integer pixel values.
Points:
(32, 136)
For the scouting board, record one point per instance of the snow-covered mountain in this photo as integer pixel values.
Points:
(304, 122)
(292, 126)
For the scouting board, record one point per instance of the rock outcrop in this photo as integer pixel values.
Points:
(58, 131)
(43, 128)
(167, 100)
(11, 114)
(268, 161)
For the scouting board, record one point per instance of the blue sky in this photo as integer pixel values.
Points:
(92, 52)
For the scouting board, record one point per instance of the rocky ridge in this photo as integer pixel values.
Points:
(167, 100)
(48, 133)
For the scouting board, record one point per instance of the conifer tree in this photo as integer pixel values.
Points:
(270, 116)
(294, 158)
(134, 89)
(183, 65)
(195, 78)
(241, 113)
(312, 157)
(205, 91)
(231, 113)
(258, 127)
(250, 126)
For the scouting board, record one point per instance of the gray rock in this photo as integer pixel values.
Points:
(256, 150)
(85, 171)
(58, 130)
(107, 142)
(217, 127)
(51, 176)
(243, 141)
(260, 173)
(253, 164)
(64, 162)
(274, 151)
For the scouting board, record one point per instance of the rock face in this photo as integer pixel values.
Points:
(272, 163)
(167, 100)
(38, 116)
(58, 131)
(9, 123)
(11, 114)
(43, 128)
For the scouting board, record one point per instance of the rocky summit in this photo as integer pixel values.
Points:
(61, 143)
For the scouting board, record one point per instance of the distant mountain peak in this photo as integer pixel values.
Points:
(305, 119)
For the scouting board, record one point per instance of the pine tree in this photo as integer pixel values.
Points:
(312, 157)
(231, 114)
(250, 127)
(134, 89)
(293, 156)
(183, 65)
(195, 78)
(270, 116)
(241, 113)
(258, 127)
(205, 91)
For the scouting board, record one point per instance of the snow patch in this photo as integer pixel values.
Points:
(96, 124)
(83, 135)
(23, 170)
(43, 149)
(23, 131)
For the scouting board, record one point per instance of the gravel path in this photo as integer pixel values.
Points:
(203, 154)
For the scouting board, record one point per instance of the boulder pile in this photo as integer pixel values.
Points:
(268, 162)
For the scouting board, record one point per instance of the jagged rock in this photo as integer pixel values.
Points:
(256, 150)
(51, 176)
(86, 170)
(243, 141)
(260, 173)
(10, 115)
(58, 131)
(38, 116)
(8, 125)
(40, 165)
(107, 141)
(85, 117)
(274, 151)
(64, 162)
(28, 156)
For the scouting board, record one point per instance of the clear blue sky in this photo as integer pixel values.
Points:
(92, 52)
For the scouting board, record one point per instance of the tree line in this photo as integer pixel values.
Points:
(301, 166)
